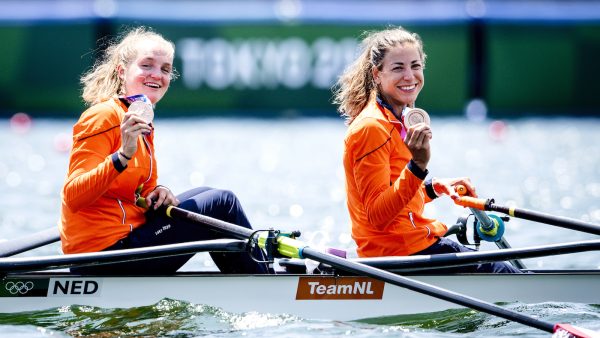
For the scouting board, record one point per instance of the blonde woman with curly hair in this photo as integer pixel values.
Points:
(386, 158)
(111, 194)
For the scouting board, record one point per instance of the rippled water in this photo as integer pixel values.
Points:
(288, 175)
(173, 318)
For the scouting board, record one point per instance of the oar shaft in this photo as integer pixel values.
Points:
(361, 269)
(22, 264)
(415, 263)
(536, 216)
(483, 218)
(29, 242)
(564, 222)
(426, 289)
(218, 225)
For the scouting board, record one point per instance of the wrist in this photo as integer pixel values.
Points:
(430, 189)
(421, 164)
(417, 170)
(118, 162)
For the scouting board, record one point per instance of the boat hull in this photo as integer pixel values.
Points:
(306, 296)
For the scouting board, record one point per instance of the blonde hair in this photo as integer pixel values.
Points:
(102, 81)
(356, 86)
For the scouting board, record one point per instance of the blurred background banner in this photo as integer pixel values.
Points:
(280, 58)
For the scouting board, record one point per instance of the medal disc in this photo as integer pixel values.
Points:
(414, 116)
(143, 109)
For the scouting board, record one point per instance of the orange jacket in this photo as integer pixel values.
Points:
(385, 199)
(98, 201)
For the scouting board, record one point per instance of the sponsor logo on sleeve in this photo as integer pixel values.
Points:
(333, 288)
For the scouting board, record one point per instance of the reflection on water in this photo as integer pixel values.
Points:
(288, 173)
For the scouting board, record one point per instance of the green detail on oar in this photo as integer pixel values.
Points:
(286, 246)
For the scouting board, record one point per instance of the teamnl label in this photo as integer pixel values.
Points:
(50, 287)
(331, 288)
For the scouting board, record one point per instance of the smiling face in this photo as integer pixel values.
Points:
(149, 72)
(400, 77)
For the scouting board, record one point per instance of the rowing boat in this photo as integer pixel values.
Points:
(318, 296)
(327, 293)
(336, 288)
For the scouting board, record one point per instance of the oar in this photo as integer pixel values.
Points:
(488, 205)
(440, 261)
(23, 264)
(296, 249)
(29, 242)
(420, 262)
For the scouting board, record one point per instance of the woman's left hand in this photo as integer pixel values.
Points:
(447, 186)
(161, 196)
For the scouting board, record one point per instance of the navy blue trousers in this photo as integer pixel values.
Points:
(445, 245)
(215, 203)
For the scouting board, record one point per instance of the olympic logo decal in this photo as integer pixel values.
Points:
(19, 287)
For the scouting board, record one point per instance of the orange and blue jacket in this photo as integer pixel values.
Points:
(99, 195)
(386, 192)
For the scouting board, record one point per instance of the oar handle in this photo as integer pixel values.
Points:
(481, 216)
(471, 202)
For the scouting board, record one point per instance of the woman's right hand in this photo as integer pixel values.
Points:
(132, 127)
(450, 187)
(417, 140)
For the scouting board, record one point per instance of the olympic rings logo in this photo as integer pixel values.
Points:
(18, 287)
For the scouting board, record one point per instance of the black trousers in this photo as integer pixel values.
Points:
(161, 230)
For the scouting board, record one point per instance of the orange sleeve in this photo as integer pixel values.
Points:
(383, 199)
(91, 170)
